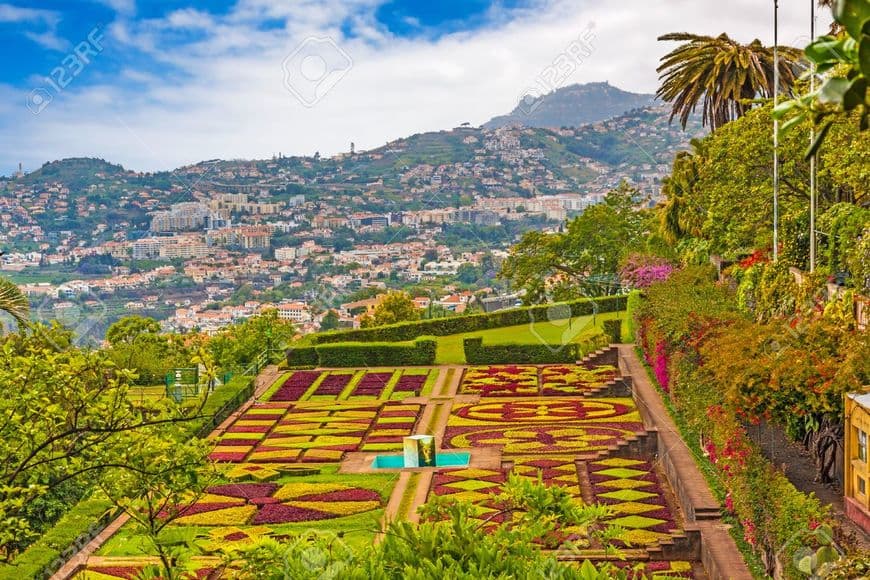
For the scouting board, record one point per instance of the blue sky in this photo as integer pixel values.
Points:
(158, 84)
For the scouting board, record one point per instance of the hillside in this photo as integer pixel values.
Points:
(573, 106)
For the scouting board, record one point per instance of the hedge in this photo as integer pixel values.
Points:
(71, 532)
(634, 300)
(302, 356)
(478, 354)
(405, 331)
(359, 354)
(613, 330)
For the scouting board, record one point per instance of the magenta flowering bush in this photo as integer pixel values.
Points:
(641, 271)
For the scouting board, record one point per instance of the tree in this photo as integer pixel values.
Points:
(66, 413)
(330, 321)
(585, 257)
(845, 92)
(162, 474)
(725, 73)
(13, 302)
(395, 307)
(238, 346)
(135, 343)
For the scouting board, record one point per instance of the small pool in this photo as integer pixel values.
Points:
(458, 459)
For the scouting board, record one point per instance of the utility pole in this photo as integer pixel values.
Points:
(813, 158)
(775, 131)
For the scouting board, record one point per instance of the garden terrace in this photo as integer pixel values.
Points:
(299, 458)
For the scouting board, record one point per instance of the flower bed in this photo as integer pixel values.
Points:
(408, 383)
(316, 432)
(332, 385)
(236, 504)
(501, 381)
(561, 380)
(372, 384)
(295, 386)
(632, 489)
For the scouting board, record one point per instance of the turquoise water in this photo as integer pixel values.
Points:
(459, 459)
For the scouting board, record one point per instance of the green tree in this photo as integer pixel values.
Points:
(329, 321)
(66, 414)
(135, 343)
(584, 256)
(395, 307)
(161, 474)
(844, 58)
(727, 75)
(238, 346)
(130, 328)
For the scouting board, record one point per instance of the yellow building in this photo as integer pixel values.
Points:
(857, 469)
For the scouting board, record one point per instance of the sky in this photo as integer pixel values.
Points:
(155, 85)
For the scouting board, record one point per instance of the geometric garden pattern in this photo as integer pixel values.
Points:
(281, 455)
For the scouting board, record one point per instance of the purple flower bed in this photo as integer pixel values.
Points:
(355, 494)
(410, 384)
(244, 490)
(333, 385)
(372, 384)
(279, 513)
(295, 386)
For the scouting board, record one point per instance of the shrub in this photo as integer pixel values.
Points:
(613, 330)
(360, 354)
(405, 331)
(477, 353)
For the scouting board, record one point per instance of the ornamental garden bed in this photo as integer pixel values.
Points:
(532, 381)
(581, 427)
(231, 514)
(353, 385)
(315, 432)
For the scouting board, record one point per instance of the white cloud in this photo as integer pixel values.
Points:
(231, 102)
(47, 20)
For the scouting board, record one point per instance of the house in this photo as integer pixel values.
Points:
(857, 470)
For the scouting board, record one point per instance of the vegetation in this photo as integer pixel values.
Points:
(727, 74)
(13, 302)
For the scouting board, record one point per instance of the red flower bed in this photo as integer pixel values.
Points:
(356, 494)
(410, 384)
(225, 456)
(372, 384)
(333, 385)
(128, 572)
(281, 514)
(249, 429)
(295, 386)
(244, 490)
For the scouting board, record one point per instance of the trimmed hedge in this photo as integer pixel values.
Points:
(635, 298)
(478, 354)
(71, 532)
(405, 331)
(613, 330)
(302, 356)
(359, 354)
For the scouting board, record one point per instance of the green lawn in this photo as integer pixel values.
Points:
(564, 331)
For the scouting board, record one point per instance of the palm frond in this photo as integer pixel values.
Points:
(13, 301)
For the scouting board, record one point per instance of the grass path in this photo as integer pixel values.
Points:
(564, 331)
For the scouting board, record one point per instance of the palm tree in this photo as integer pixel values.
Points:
(725, 73)
(677, 218)
(13, 301)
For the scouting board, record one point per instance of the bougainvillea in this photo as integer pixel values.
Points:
(641, 271)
